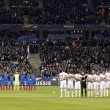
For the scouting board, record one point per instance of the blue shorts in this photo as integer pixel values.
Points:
(28, 84)
(6, 83)
(0, 83)
(33, 83)
(22, 83)
(11, 83)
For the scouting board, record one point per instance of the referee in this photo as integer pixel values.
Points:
(83, 83)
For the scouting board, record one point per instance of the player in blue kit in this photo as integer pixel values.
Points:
(5, 81)
(28, 81)
(33, 81)
(1, 79)
(11, 81)
(22, 80)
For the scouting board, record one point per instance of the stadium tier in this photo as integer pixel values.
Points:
(54, 11)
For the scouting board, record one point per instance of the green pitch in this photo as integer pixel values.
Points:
(44, 99)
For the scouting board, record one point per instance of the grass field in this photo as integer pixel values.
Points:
(44, 99)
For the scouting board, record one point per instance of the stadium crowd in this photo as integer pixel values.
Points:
(78, 52)
(14, 64)
(11, 16)
(53, 12)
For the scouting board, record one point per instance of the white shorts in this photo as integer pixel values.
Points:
(90, 85)
(95, 85)
(108, 84)
(63, 84)
(77, 85)
(70, 85)
(102, 85)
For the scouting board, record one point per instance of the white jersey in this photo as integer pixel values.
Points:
(102, 81)
(90, 81)
(63, 77)
(107, 75)
(96, 78)
(77, 77)
(70, 77)
(90, 78)
(107, 79)
(77, 81)
(102, 77)
(70, 81)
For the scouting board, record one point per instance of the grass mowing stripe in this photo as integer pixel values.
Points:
(44, 99)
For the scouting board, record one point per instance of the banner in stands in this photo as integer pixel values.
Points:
(71, 26)
(56, 26)
(10, 26)
(41, 82)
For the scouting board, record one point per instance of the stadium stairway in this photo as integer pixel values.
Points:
(35, 62)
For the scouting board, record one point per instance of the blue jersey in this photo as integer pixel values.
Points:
(22, 77)
(11, 80)
(0, 80)
(33, 80)
(28, 78)
(33, 77)
(6, 77)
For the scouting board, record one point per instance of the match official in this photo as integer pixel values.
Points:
(83, 83)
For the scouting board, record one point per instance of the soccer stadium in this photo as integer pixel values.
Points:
(54, 54)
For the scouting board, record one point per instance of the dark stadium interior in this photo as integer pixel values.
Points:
(54, 11)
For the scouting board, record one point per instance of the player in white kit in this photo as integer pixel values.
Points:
(90, 84)
(96, 80)
(107, 75)
(70, 84)
(63, 83)
(102, 84)
(77, 84)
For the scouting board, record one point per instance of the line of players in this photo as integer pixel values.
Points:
(94, 82)
(18, 81)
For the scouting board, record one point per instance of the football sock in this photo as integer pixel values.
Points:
(65, 92)
(68, 93)
(76, 92)
(35, 88)
(91, 93)
(79, 93)
(101, 91)
(107, 92)
(72, 93)
(61, 92)
(88, 93)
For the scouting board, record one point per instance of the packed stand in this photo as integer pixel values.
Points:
(12, 56)
(67, 12)
(55, 12)
(23, 5)
(78, 52)
(11, 17)
(16, 72)
(2, 3)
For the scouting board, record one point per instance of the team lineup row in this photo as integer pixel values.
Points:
(26, 81)
(97, 84)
